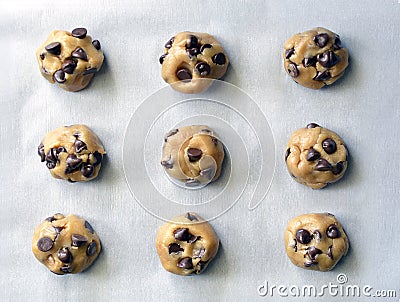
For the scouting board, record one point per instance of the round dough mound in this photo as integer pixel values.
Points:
(70, 59)
(65, 245)
(192, 155)
(73, 153)
(315, 241)
(192, 60)
(316, 156)
(186, 245)
(315, 58)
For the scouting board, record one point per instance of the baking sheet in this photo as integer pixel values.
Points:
(362, 107)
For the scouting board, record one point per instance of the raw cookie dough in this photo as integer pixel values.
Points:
(192, 155)
(315, 241)
(315, 58)
(192, 60)
(70, 59)
(316, 156)
(186, 245)
(65, 245)
(73, 153)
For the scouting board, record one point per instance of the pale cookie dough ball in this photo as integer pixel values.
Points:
(65, 245)
(315, 58)
(192, 155)
(315, 241)
(316, 156)
(192, 60)
(70, 59)
(186, 245)
(73, 153)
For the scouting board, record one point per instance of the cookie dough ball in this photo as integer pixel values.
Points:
(186, 245)
(316, 156)
(192, 60)
(315, 241)
(65, 244)
(70, 58)
(315, 58)
(73, 153)
(192, 155)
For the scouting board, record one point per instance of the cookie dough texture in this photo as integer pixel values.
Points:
(192, 60)
(316, 156)
(186, 245)
(70, 58)
(315, 58)
(315, 241)
(73, 153)
(65, 244)
(192, 155)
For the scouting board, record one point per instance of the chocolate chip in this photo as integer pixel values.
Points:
(201, 266)
(79, 53)
(169, 164)
(219, 59)
(50, 219)
(328, 59)
(303, 236)
(42, 56)
(203, 68)
(73, 162)
(289, 53)
(312, 125)
(322, 76)
(89, 227)
(64, 255)
(312, 252)
(41, 152)
(185, 263)
(292, 70)
(59, 76)
(90, 71)
(329, 252)
(99, 157)
(79, 33)
(54, 48)
(174, 248)
(194, 154)
(182, 234)
(78, 240)
(66, 269)
(51, 158)
(79, 146)
(323, 165)
(309, 61)
(198, 253)
(192, 52)
(337, 44)
(162, 58)
(338, 168)
(184, 74)
(321, 39)
(192, 182)
(45, 244)
(313, 155)
(91, 249)
(193, 42)
(215, 141)
(308, 263)
(169, 43)
(191, 217)
(329, 145)
(193, 239)
(68, 66)
(333, 232)
(204, 46)
(287, 153)
(87, 170)
(170, 133)
(96, 44)
(317, 235)
(58, 230)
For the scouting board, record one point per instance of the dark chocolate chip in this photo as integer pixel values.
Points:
(89, 227)
(193, 42)
(192, 183)
(337, 44)
(204, 46)
(329, 145)
(58, 230)
(87, 170)
(323, 165)
(184, 74)
(322, 76)
(206, 131)
(329, 252)
(50, 219)
(287, 153)
(45, 244)
(328, 59)
(76, 134)
(174, 248)
(182, 234)
(96, 44)
(91, 249)
(338, 168)
(79, 53)
(64, 255)
(312, 252)
(313, 155)
(333, 231)
(79, 146)
(194, 154)
(191, 217)
(201, 266)
(54, 48)
(289, 53)
(78, 240)
(169, 164)
(66, 269)
(42, 56)
(292, 70)
(321, 39)
(90, 71)
(219, 59)
(162, 58)
(193, 239)
(215, 141)
(312, 125)
(79, 33)
(51, 158)
(170, 133)
(185, 263)
(203, 68)
(309, 61)
(59, 76)
(99, 157)
(68, 66)
(303, 236)
(169, 43)
(198, 253)
(317, 235)
(308, 263)
(73, 162)
(192, 52)
(41, 152)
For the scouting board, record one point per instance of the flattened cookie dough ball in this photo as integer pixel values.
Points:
(192, 60)
(65, 244)
(315, 58)
(315, 241)
(192, 155)
(186, 245)
(70, 58)
(316, 156)
(73, 153)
